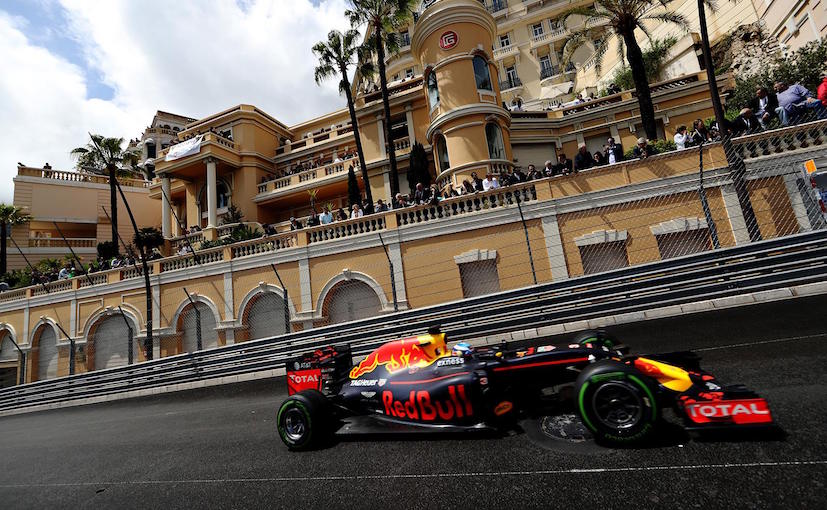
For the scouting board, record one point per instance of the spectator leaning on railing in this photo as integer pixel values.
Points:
(681, 137)
(612, 152)
(764, 105)
(643, 150)
(582, 160)
(795, 101)
(822, 89)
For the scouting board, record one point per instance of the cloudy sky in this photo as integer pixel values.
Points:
(71, 67)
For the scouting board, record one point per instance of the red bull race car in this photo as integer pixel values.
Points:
(422, 382)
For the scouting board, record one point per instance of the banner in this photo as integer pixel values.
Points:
(186, 148)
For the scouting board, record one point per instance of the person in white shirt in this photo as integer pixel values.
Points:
(356, 212)
(494, 183)
(326, 217)
(486, 183)
(681, 137)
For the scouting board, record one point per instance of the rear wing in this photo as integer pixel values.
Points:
(323, 369)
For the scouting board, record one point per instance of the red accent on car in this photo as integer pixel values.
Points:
(299, 380)
(740, 412)
(569, 361)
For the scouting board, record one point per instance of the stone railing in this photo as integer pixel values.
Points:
(264, 245)
(13, 295)
(51, 287)
(92, 279)
(193, 237)
(553, 34)
(397, 89)
(591, 105)
(511, 83)
(313, 138)
(308, 175)
(61, 175)
(134, 272)
(505, 51)
(776, 141)
(673, 83)
(225, 230)
(348, 228)
(57, 242)
(189, 260)
(403, 145)
(467, 204)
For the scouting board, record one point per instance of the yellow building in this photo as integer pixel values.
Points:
(545, 230)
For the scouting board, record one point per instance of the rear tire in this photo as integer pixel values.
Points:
(617, 403)
(596, 337)
(304, 420)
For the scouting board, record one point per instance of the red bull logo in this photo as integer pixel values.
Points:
(420, 405)
(417, 351)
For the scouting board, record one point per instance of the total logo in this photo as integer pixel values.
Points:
(420, 406)
(304, 378)
(741, 411)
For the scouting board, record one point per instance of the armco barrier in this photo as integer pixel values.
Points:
(784, 262)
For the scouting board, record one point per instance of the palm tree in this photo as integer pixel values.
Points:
(336, 56)
(623, 17)
(383, 18)
(105, 156)
(10, 215)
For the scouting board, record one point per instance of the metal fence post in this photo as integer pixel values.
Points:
(393, 277)
(525, 231)
(710, 221)
(284, 298)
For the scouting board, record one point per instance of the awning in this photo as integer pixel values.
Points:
(552, 91)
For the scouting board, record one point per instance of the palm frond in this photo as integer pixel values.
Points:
(669, 17)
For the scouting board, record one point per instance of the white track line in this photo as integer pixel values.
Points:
(761, 342)
(335, 478)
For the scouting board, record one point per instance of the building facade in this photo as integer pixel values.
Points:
(545, 230)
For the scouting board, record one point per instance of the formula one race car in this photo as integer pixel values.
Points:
(421, 382)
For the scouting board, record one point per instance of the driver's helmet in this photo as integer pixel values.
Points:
(462, 349)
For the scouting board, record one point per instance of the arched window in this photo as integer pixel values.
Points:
(482, 74)
(46, 353)
(433, 90)
(264, 316)
(9, 360)
(442, 153)
(496, 148)
(188, 326)
(223, 193)
(110, 342)
(350, 301)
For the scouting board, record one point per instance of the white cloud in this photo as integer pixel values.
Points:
(189, 57)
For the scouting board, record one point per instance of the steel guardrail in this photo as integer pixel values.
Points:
(758, 266)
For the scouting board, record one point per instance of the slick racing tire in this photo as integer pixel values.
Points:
(597, 337)
(303, 420)
(617, 403)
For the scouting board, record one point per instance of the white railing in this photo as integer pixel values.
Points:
(265, 245)
(92, 279)
(55, 242)
(134, 272)
(339, 230)
(12, 295)
(193, 237)
(466, 204)
(308, 175)
(49, 288)
(189, 260)
(504, 51)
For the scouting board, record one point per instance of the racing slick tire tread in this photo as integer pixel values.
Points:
(317, 420)
(625, 379)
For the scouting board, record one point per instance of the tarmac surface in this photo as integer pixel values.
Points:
(218, 448)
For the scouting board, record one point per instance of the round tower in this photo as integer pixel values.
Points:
(469, 129)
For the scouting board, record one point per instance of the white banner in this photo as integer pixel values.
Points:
(186, 148)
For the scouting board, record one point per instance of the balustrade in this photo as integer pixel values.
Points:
(466, 204)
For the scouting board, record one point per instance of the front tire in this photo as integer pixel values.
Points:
(303, 420)
(617, 403)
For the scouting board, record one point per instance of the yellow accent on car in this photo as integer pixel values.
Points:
(672, 377)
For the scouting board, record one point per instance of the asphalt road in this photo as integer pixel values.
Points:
(217, 448)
